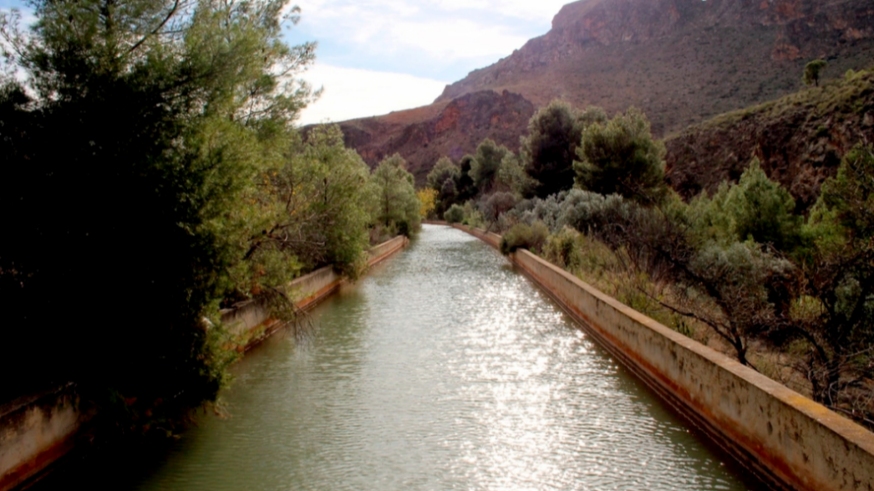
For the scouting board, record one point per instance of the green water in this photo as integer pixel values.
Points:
(443, 369)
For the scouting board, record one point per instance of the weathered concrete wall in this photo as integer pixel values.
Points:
(251, 320)
(34, 432)
(787, 439)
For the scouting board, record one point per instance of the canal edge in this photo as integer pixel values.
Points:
(786, 439)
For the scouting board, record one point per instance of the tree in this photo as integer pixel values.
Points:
(397, 207)
(428, 201)
(622, 157)
(548, 151)
(442, 179)
(512, 177)
(171, 114)
(318, 212)
(755, 208)
(465, 187)
(444, 169)
(486, 165)
(833, 310)
(812, 72)
(455, 214)
(496, 205)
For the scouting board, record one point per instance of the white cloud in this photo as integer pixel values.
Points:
(352, 93)
(448, 30)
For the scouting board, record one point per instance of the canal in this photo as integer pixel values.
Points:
(442, 369)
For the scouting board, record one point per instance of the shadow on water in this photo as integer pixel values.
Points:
(442, 369)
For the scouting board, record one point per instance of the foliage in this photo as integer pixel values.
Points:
(833, 307)
(548, 151)
(455, 214)
(427, 202)
(396, 204)
(171, 116)
(495, 205)
(444, 169)
(318, 211)
(486, 164)
(812, 72)
(621, 157)
(755, 208)
(464, 185)
(522, 235)
(512, 177)
(473, 216)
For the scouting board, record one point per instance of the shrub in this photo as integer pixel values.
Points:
(522, 235)
(455, 214)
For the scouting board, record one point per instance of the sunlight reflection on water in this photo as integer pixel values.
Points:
(444, 369)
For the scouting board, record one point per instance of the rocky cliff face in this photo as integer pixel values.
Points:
(452, 128)
(681, 61)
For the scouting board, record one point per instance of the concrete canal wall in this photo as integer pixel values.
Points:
(251, 321)
(36, 431)
(787, 439)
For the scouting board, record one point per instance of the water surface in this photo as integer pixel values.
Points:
(443, 369)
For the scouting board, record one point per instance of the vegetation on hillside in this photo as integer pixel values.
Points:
(152, 175)
(799, 139)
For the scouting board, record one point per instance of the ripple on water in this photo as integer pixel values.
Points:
(444, 369)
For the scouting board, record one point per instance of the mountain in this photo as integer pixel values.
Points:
(680, 61)
(799, 139)
(451, 128)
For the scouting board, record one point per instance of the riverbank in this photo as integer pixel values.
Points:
(38, 430)
(785, 438)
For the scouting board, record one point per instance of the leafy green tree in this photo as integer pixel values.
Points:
(549, 150)
(443, 178)
(812, 72)
(170, 113)
(833, 310)
(315, 212)
(622, 157)
(755, 208)
(396, 203)
(444, 169)
(486, 165)
(512, 177)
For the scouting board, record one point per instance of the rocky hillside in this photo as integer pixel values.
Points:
(681, 61)
(450, 128)
(799, 139)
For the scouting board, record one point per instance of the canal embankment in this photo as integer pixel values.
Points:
(37, 430)
(787, 439)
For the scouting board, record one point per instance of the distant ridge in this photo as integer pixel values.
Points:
(681, 61)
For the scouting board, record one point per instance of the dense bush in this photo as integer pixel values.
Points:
(522, 235)
(455, 214)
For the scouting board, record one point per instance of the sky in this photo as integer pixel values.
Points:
(378, 56)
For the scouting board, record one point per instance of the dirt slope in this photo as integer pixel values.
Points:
(799, 138)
